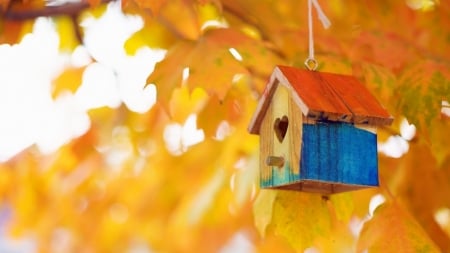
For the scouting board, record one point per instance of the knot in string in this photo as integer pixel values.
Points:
(311, 62)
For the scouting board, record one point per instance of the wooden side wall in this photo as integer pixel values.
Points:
(339, 153)
(281, 105)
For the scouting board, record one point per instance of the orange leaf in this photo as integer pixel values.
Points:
(214, 63)
(11, 32)
(154, 5)
(185, 23)
(94, 3)
(392, 229)
(167, 74)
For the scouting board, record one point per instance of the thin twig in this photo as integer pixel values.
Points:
(71, 9)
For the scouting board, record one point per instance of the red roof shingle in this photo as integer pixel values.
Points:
(324, 96)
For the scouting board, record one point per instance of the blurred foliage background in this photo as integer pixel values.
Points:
(124, 126)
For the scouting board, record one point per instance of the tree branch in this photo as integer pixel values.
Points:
(70, 9)
(247, 19)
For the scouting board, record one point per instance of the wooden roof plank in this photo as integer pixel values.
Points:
(315, 93)
(359, 100)
(323, 96)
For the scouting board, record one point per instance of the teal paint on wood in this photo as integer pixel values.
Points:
(338, 153)
(280, 176)
(335, 153)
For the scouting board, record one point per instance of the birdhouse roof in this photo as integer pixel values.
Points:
(323, 96)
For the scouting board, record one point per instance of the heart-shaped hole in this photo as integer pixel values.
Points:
(280, 126)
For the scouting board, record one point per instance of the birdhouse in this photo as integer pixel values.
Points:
(317, 132)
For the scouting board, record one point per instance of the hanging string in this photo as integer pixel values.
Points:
(311, 62)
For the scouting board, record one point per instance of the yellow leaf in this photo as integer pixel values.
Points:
(66, 27)
(153, 35)
(343, 206)
(94, 11)
(301, 218)
(182, 104)
(69, 80)
(263, 210)
(208, 12)
(341, 238)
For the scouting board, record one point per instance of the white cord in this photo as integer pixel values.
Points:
(311, 62)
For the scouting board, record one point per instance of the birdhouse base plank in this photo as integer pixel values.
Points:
(322, 187)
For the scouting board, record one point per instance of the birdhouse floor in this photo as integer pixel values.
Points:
(320, 187)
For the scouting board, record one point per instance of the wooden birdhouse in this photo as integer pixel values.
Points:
(317, 132)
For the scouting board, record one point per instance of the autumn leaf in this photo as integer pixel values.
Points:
(184, 24)
(11, 32)
(421, 198)
(393, 229)
(153, 35)
(263, 210)
(300, 224)
(154, 6)
(423, 87)
(68, 81)
(168, 73)
(219, 54)
(67, 35)
(184, 103)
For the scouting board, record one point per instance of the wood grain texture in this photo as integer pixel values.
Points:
(323, 97)
(323, 127)
(266, 149)
(363, 105)
(339, 153)
(288, 148)
(295, 131)
(336, 97)
(321, 100)
(262, 107)
(280, 109)
(335, 157)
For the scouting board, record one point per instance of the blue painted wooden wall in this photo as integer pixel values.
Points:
(339, 152)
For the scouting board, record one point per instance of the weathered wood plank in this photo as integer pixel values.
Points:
(363, 105)
(266, 148)
(322, 102)
(281, 148)
(339, 153)
(322, 96)
(295, 132)
(263, 104)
